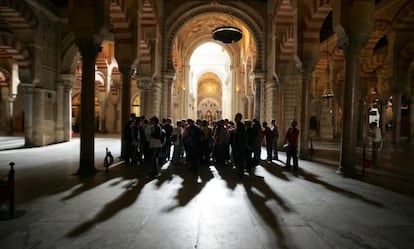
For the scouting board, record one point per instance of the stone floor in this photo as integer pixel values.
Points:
(274, 208)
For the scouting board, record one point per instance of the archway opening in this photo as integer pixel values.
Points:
(210, 81)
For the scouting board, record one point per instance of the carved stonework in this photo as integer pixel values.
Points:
(89, 48)
(145, 82)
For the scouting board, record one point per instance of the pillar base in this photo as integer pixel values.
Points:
(86, 171)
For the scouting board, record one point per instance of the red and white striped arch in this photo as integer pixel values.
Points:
(405, 17)
(284, 22)
(13, 50)
(148, 16)
(148, 23)
(100, 80)
(376, 61)
(120, 21)
(284, 14)
(381, 28)
(369, 61)
(287, 46)
(18, 15)
(315, 17)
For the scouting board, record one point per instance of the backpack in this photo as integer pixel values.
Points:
(160, 134)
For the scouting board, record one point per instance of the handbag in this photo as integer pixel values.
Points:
(286, 146)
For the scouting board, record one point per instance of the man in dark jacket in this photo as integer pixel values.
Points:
(240, 145)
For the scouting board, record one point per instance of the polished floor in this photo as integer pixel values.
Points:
(274, 208)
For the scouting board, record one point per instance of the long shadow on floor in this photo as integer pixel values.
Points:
(126, 199)
(192, 184)
(275, 168)
(259, 192)
(308, 176)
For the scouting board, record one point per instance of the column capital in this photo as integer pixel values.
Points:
(12, 98)
(67, 80)
(352, 44)
(28, 87)
(88, 47)
(145, 82)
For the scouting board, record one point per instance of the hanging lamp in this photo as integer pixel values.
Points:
(227, 34)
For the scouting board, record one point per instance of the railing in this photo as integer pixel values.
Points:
(7, 194)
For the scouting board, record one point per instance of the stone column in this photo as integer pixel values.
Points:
(116, 118)
(271, 100)
(67, 82)
(169, 98)
(396, 115)
(155, 99)
(89, 50)
(145, 85)
(125, 70)
(353, 24)
(305, 109)
(166, 100)
(350, 112)
(28, 114)
(60, 102)
(40, 125)
(411, 129)
(400, 84)
(362, 111)
(257, 97)
(250, 106)
(10, 124)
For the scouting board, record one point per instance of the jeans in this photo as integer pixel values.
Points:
(292, 152)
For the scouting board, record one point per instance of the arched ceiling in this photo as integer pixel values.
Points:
(209, 85)
(199, 30)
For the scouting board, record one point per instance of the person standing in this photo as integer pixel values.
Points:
(205, 142)
(221, 142)
(167, 126)
(257, 141)
(291, 137)
(155, 145)
(192, 138)
(135, 150)
(127, 138)
(275, 132)
(177, 140)
(239, 145)
(376, 142)
(268, 135)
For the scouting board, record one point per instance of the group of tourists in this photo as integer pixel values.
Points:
(199, 143)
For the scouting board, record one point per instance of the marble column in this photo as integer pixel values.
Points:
(89, 50)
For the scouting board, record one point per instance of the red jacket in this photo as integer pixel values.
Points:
(292, 136)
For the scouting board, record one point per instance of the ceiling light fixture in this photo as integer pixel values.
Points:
(227, 34)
